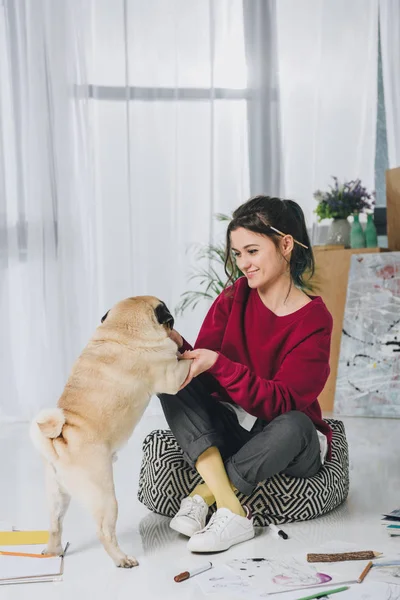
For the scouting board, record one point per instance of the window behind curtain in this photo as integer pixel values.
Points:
(168, 100)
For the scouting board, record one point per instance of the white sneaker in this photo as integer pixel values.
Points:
(223, 531)
(191, 517)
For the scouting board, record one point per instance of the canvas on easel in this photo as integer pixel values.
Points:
(368, 380)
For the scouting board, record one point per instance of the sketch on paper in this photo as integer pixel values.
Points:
(260, 577)
(368, 380)
(370, 591)
(222, 579)
(279, 574)
(367, 591)
(389, 574)
(257, 579)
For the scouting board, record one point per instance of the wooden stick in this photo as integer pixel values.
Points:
(363, 555)
(285, 234)
(365, 572)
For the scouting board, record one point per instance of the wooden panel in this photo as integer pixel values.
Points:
(331, 277)
(393, 208)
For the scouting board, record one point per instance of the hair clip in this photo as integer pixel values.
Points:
(283, 235)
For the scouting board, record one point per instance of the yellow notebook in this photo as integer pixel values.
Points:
(17, 538)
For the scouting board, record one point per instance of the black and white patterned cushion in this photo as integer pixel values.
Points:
(166, 478)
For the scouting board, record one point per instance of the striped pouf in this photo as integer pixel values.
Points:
(166, 478)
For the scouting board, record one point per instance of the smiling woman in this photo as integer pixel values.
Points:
(261, 223)
(262, 262)
(249, 407)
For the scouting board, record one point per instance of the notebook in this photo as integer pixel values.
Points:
(393, 529)
(392, 522)
(21, 569)
(8, 538)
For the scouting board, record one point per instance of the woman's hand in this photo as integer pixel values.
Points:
(203, 360)
(176, 337)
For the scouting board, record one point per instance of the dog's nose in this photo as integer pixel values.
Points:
(170, 321)
(163, 315)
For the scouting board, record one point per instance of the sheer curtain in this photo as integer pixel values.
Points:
(125, 126)
(389, 15)
(123, 132)
(263, 106)
(168, 98)
(328, 89)
(48, 290)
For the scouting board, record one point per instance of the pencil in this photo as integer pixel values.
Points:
(4, 553)
(363, 555)
(365, 572)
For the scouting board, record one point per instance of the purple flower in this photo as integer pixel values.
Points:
(343, 200)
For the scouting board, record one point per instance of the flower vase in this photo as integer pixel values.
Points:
(357, 235)
(339, 233)
(370, 232)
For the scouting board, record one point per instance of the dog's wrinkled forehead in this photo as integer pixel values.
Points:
(161, 312)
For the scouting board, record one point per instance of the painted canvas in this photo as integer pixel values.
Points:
(368, 382)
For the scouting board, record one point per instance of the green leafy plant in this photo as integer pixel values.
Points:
(209, 275)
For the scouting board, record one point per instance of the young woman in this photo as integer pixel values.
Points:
(249, 407)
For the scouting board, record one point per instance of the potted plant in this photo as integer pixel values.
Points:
(209, 274)
(338, 203)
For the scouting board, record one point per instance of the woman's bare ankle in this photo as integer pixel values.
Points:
(233, 504)
(204, 492)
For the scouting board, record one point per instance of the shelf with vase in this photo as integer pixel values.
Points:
(338, 203)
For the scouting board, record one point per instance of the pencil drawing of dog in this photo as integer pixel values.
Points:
(129, 358)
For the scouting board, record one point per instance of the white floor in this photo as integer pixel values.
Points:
(375, 488)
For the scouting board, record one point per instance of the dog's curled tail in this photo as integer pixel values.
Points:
(45, 427)
(51, 422)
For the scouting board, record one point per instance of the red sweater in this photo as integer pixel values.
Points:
(267, 364)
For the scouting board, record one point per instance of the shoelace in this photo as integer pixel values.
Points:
(215, 523)
(192, 510)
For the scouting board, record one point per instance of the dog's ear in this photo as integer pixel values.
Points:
(105, 317)
(163, 315)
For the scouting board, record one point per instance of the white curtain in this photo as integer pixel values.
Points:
(123, 130)
(125, 126)
(389, 15)
(48, 299)
(263, 106)
(328, 89)
(168, 98)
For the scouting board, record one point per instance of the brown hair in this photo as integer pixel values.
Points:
(262, 213)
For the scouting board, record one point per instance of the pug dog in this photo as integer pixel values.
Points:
(129, 358)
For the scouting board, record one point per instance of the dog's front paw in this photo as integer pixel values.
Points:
(127, 562)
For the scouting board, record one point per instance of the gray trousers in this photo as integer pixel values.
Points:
(288, 444)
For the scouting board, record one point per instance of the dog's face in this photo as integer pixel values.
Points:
(139, 313)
